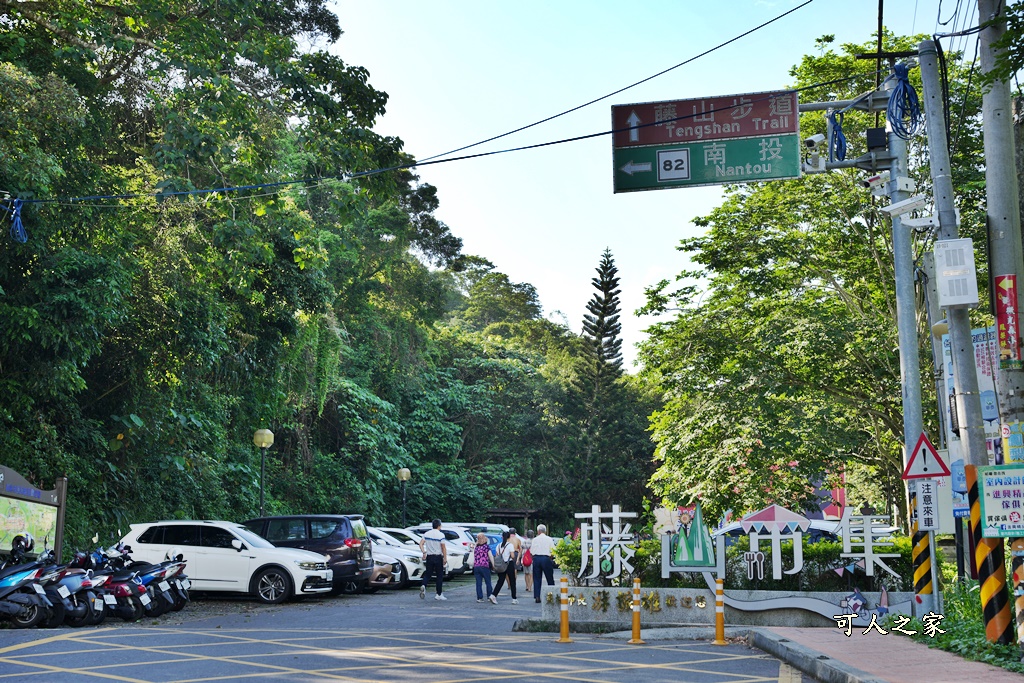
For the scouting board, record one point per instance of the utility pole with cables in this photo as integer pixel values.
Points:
(988, 552)
(1006, 278)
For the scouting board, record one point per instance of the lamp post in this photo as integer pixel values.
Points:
(403, 476)
(264, 438)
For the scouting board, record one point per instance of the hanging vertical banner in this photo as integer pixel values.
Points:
(986, 354)
(1006, 322)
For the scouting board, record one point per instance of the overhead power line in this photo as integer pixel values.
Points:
(620, 90)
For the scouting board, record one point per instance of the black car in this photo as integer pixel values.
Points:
(343, 538)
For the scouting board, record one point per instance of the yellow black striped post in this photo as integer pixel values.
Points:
(1017, 564)
(988, 553)
(921, 557)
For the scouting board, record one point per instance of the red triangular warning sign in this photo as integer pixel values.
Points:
(925, 462)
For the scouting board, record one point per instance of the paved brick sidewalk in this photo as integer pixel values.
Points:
(831, 656)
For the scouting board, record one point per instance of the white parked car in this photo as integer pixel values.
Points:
(224, 556)
(409, 558)
(457, 557)
(457, 539)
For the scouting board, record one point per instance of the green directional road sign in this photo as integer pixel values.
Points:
(711, 162)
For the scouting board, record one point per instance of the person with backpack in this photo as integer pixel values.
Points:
(505, 567)
(526, 560)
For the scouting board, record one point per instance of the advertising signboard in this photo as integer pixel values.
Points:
(1001, 494)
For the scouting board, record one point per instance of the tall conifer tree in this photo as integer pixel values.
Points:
(601, 328)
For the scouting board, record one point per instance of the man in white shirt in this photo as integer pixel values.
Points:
(434, 558)
(543, 565)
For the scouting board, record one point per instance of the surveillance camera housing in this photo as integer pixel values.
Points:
(814, 141)
(907, 205)
(875, 180)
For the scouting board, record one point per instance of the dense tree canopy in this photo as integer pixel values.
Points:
(234, 268)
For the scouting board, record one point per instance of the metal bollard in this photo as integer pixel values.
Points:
(719, 612)
(563, 629)
(635, 640)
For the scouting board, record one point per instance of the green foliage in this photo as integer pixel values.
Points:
(568, 555)
(146, 338)
(963, 626)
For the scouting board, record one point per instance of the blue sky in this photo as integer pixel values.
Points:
(460, 71)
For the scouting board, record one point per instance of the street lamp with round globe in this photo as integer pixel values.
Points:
(264, 438)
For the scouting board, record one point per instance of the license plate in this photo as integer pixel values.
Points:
(330, 574)
(185, 584)
(97, 604)
(63, 591)
(110, 599)
(164, 586)
(38, 589)
(144, 599)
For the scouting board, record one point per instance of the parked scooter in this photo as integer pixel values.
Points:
(76, 585)
(166, 583)
(23, 598)
(122, 592)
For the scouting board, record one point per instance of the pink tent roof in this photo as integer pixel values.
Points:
(774, 517)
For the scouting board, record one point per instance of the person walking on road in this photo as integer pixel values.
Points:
(506, 556)
(434, 554)
(483, 559)
(543, 565)
(527, 568)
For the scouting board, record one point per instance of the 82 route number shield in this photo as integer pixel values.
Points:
(674, 165)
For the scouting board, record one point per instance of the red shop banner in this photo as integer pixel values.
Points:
(1007, 327)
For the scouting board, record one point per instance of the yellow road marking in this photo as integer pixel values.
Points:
(33, 643)
(398, 654)
(789, 674)
(66, 670)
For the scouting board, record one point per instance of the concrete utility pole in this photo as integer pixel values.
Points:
(992, 575)
(1003, 214)
(910, 366)
(1004, 245)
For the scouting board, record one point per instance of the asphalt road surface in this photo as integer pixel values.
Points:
(389, 636)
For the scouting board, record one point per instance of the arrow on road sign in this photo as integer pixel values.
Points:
(925, 462)
(633, 121)
(630, 168)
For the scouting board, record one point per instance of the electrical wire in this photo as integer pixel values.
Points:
(904, 109)
(620, 90)
(84, 201)
(18, 233)
(837, 149)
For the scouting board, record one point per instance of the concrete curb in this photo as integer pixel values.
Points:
(822, 667)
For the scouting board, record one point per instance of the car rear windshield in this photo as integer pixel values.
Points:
(358, 528)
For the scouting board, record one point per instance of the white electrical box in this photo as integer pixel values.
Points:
(956, 277)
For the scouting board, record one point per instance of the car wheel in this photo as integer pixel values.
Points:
(352, 587)
(272, 586)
